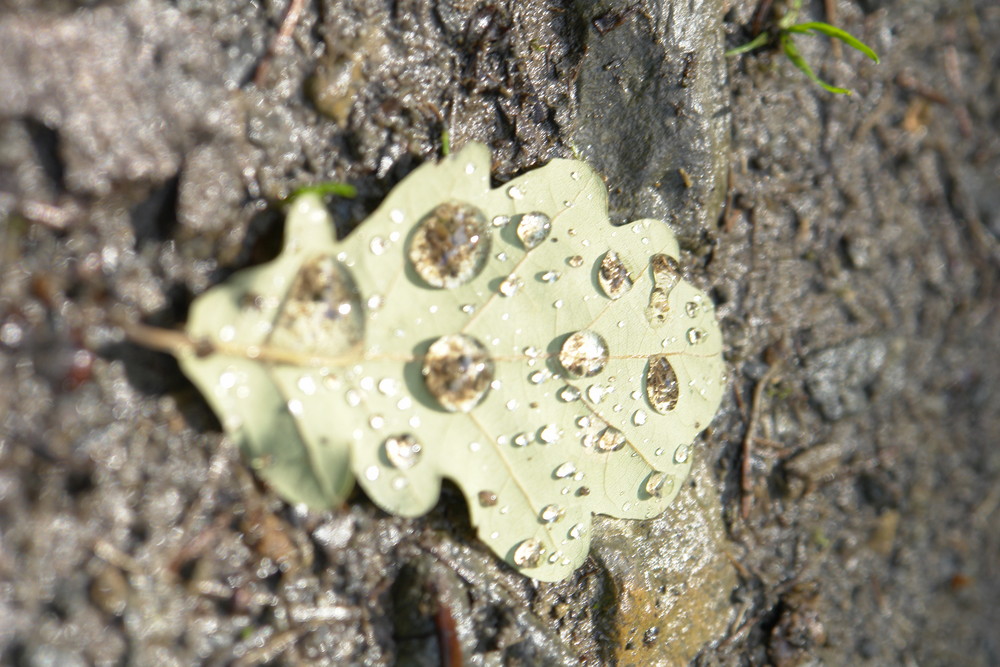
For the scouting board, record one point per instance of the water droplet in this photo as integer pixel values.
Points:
(396, 216)
(450, 244)
(388, 387)
(681, 453)
(487, 498)
(378, 245)
(696, 336)
(659, 484)
(538, 377)
(569, 393)
(402, 451)
(353, 398)
(474, 447)
(468, 308)
(618, 407)
(662, 387)
(375, 302)
(470, 168)
(512, 404)
(549, 434)
(583, 421)
(399, 483)
(500, 220)
(584, 354)
(295, 407)
(528, 553)
(659, 451)
(501, 257)
(322, 312)
(613, 277)
(610, 440)
(575, 175)
(305, 384)
(371, 473)
(533, 228)
(510, 285)
(457, 372)
(596, 393)
(639, 418)
(515, 192)
(577, 531)
(691, 309)
(557, 304)
(404, 403)
(376, 421)
(565, 470)
(521, 440)
(575, 261)
(551, 514)
(550, 277)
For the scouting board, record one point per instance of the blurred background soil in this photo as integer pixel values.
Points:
(852, 246)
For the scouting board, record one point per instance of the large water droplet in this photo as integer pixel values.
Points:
(551, 513)
(662, 387)
(528, 553)
(449, 246)
(322, 312)
(613, 277)
(610, 440)
(666, 274)
(403, 451)
(533, 228)
(584, 354)
(659, 484)
(457, 372)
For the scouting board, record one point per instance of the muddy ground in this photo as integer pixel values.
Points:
(852, 246)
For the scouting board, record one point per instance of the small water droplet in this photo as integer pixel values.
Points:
(367, 383)
(399, 483)
(584, 354)
(521, 440)
(388, 387)
(510, 285)
(639, 418)
(512, 404)
(550, 277)
(305, 384)
(618, 407)
(353, 398)
(662, 387)
(610, 440)
(295, 407)
(538, 377)
(487, 498)
(378, 245)
(533, 228)
(575, 175)
(501, 257)
(659, 451)
(515, 192)
(375, 302)
(402, 451)
(613, 277)
(659, 484)
(470, 168)
(567, 203)
(371, 473)
(569, 393)
(691, 309)
(457, 372)
(575, 261)
(468, 308)
(404, 403)
(696, 336)
(528, 553)
(376, 421)
(449, 245)
(681, 453)
(474, 447)
(583, 421)
(557, 304)
(549, 434)
(396, 216)
(500, 220)
(596, 393)
(577, 531)
(565, 470)
(551, 514)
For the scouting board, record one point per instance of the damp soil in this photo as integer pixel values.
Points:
(845, 505)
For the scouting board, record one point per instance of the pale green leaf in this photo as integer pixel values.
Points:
(313, 408)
